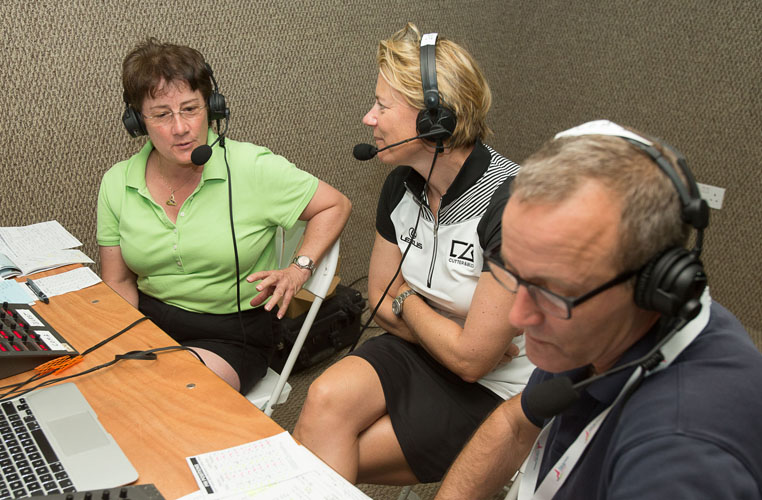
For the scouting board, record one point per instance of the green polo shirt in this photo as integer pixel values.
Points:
(190, 263)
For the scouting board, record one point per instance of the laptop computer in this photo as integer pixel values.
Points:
(52, 442)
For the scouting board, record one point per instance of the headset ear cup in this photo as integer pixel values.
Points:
(217, 106)
(671, 284)
(447, 120)
(133, 122)
(643, 284)
(424, 122)
(686, 281)
(441, 119)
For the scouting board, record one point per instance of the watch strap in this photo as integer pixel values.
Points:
(401, 299)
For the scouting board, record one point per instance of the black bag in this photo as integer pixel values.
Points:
(336, 326)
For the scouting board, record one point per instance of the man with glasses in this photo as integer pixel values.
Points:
(635, 395)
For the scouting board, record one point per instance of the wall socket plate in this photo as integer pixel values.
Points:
(712, 194)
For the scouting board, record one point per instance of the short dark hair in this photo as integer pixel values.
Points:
(151, 61)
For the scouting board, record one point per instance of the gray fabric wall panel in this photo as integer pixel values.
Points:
(299, 77)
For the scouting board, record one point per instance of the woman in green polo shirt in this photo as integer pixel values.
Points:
(165, 244)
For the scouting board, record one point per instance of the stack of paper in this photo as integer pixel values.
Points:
(275, 468)
(38, 247)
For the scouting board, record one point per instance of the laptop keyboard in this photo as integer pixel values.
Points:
(28, 464)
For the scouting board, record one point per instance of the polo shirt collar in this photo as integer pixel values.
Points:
(473, 168)
(214, 168)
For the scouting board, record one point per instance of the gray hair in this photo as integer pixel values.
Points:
(651, 218)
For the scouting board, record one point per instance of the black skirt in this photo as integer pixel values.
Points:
(433, 411)
(245, 343)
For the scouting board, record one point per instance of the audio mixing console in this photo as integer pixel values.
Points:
(27, 340)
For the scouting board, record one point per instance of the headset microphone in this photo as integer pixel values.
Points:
(549, 398)
(365, 152)
(201, 154)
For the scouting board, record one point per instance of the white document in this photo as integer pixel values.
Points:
(32, 239)
(319, 483)
(70, 281)
(38, 247)
(273, 468)
(248, 466)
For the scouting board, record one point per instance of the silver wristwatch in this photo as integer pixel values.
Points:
(397, 303)
(304, 262)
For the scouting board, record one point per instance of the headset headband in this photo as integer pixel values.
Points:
(429, 71)
(695, 210)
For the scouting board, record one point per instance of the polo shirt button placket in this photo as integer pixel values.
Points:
(174, 249)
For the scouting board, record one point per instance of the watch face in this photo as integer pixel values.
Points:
(304, 262)
(396, 307)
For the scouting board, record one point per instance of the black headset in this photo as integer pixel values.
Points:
(672, 282)
(434, 117)
(133, 120)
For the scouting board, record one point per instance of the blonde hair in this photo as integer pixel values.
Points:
(651, 218)
(461, 83)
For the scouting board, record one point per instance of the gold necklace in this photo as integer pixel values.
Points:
(171, 200)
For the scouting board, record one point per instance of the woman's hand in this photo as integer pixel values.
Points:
(512, 351)
(279, 284)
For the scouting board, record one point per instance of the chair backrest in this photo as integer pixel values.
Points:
(287, 242)
(286, 245)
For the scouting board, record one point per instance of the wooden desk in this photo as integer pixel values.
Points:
(158, 411)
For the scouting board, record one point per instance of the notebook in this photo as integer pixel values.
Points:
(52, 442)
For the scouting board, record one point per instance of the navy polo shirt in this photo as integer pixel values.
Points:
(689, 431)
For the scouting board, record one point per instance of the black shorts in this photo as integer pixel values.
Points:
(220, 333)
(433, 411)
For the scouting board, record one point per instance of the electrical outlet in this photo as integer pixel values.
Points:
(712, 194)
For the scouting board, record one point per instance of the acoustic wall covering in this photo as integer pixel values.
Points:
(300, 75)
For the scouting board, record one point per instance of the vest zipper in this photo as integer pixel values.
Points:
(434, 253)
(422, 202)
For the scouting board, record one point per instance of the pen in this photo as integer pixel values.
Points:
(39, 293)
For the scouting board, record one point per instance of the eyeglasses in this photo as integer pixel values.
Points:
(550, 302)
(165, 118)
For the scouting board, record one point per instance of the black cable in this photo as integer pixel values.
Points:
(148, 355)
(237, 262)
(404, 254)
(38, 376)
(17, 385)
(106, 341)
(357, 280)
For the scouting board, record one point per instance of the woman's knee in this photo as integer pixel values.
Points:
(325, 397)
(219, 366)
(348, 391)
